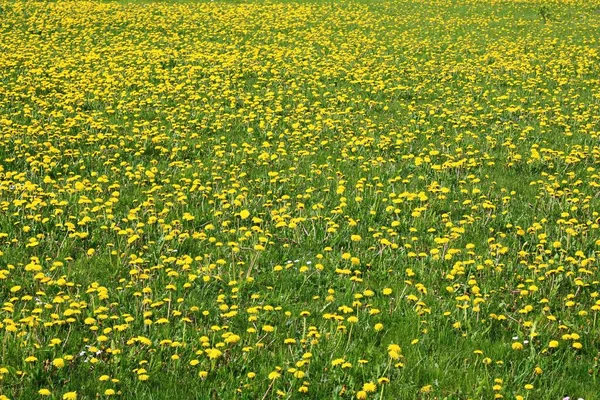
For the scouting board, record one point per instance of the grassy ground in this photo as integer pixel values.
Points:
(320, 200)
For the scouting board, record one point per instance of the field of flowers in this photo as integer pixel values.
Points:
(324, 199)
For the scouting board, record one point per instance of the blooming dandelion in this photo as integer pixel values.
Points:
(275, 200)
(369, 387)
(274, 375)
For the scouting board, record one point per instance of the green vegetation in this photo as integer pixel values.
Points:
(260, 200)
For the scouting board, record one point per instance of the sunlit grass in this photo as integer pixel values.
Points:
(330, 199)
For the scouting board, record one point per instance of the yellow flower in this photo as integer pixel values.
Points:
(70, 396)
(369, 387)
(244, 214)
(517, 346)
(44, 392)
(213, 353)
(553, 344)
(337, 361)
(58, 362)
(394, 347)
(274, 375)
(394, 351)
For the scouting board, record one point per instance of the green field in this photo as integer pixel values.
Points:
(320, 199)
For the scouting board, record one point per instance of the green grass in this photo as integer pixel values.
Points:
(299, 185)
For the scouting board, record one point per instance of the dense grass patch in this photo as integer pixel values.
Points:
(316, 199)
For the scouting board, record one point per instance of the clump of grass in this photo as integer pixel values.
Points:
(289, 200)
(544, 13)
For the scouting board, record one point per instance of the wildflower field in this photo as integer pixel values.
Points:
(320, 199)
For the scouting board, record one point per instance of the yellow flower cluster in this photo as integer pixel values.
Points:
(299, 199)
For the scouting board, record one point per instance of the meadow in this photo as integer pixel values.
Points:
(358, 199)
